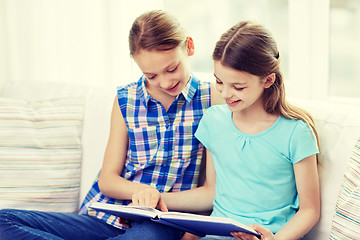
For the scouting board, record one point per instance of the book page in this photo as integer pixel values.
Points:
(143, 208)
(125, 211)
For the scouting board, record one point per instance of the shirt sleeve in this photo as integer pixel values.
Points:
(204, 129)
(302, 143)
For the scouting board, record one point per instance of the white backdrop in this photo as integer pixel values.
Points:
(79, 41)
(85, 41)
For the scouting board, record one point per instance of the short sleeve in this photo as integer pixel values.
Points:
(302, 142)
(204, 129)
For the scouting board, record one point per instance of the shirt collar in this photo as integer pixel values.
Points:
(141, 89)
(190, 89)
(188, 92)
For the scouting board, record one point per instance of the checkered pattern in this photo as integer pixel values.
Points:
(163, 151)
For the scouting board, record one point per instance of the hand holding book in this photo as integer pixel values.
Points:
(265, 233)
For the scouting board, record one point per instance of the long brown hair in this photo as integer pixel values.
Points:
(251, 48)
(156, 30)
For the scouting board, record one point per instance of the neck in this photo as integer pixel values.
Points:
(253, 120)
(252, 113)
(165, 99)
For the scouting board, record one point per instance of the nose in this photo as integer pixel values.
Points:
(225, 92)
(165, 83)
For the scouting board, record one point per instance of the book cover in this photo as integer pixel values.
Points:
(196, 224)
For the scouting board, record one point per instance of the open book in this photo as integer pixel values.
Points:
(196, 224)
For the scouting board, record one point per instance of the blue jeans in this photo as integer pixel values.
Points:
(31, 225)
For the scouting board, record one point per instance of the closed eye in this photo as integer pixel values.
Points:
(172, 70)
(151, 77)
(238, 89)
(218, 81)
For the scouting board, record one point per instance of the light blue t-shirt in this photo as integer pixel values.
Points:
(255, 182)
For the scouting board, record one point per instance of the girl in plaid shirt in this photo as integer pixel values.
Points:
(151, 147)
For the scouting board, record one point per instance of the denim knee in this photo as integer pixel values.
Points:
(7, 220)
(7, 214)
(160, 231)
(152, 230)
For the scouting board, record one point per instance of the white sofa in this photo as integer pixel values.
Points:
(339, 128)
(338, 125)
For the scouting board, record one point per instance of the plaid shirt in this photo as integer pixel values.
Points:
(163, 151)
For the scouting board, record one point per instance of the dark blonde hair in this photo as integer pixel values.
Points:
(156, 30)
(251, 48)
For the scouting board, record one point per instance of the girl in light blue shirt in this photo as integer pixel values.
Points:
(261, 151)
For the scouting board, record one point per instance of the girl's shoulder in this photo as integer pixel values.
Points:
(199, 85)
(294, 127)
(203, 84)
(294, 123)
(133, 86)
(133, 89)
(217, 111)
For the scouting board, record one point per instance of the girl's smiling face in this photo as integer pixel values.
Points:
(241, 90)
(167, 72)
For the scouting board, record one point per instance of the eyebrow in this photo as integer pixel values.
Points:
(235, 83)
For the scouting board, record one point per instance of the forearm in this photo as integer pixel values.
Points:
(195, 200)
(198, 199)
(293, 230)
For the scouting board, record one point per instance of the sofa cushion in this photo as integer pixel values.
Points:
(96, 125)
(40, 153)
(346, 221)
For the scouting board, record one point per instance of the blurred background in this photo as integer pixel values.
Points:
(85, 41)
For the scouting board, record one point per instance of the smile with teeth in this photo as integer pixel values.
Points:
(232, 102)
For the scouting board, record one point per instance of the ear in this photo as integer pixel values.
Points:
(269, 80)
(190, 46)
